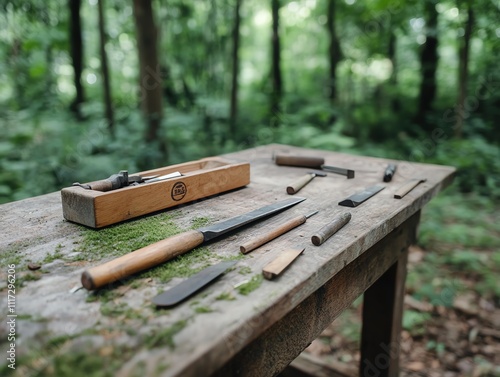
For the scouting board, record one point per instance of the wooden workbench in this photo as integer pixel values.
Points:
(220, 331)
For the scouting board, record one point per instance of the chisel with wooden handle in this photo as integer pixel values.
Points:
(296, 186)
(171, 247)
(311, 162)
(276, 232)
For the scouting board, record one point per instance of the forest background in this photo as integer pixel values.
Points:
(88, 88)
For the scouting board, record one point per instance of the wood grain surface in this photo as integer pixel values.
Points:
(217, 330)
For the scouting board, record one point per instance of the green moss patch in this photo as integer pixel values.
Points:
(166, 336)
(250, 286)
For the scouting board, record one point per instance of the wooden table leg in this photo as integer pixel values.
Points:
(382, 320)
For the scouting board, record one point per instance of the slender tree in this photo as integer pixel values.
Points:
(334, 51)
(233, 113)
(463, 71)
(277, 83)
(76, 53)
(149, 70)
(104, 68)
(428, 65)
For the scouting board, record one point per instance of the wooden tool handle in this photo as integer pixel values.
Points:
(103, 185)
(305, 161)
(141, 259)
(271, 235)
(407, 187)
(278, 265)
(299, 183)
(330, 229)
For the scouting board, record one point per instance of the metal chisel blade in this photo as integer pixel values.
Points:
(225, 226)
(358, 198)
(193, 284)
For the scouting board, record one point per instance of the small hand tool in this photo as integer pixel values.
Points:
(278, 265)
(389, 172)
(330, 229)
(122, 179)
(311, 162)
(407, 187)
(296, 186)
(274, 233)
(171, 247)
(358, 198)
(191, 285)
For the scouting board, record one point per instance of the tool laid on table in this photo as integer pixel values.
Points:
(278, 265)
(122, 179)
(389, 172)
(162, 251)
(407, 187)
(358, 198)
(311, 162)
(192, 284)
(330, 229)
(296, 186)
(274, 233)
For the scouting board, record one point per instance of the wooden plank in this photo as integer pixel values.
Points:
(287, 338)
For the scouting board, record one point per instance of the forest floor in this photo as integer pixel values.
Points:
(451, 324)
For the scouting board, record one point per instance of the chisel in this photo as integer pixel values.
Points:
(191, 285)
(276, 232)
(171, 247)
(311, 162)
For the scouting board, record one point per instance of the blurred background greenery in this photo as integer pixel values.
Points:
(81, 97)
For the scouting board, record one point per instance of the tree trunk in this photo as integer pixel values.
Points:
(277, 84)
(428, 66)
(391, 53)
(104, 69)
(235, 70)
(76, 52)
(149, 71)
(334, 52)
(463, 73)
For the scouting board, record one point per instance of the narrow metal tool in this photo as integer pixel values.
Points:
(274, 233)
(358, 198)
(389, 172)
(191, 285)
(279, 264)
(171, 247)
(175, 174)
(330, 229)
(296, 186)
(311, 162)
(407, 187)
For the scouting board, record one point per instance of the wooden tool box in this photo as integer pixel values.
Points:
(200, 179)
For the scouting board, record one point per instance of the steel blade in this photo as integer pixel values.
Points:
(225, 226)
(191, 285)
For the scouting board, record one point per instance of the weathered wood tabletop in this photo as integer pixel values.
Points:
(240, 324)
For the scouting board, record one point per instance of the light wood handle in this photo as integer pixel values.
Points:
(271, 235)
(278, 265)
(141, 259)
(299, 183)
(407, 187)
(330, 229)
(103, 185)
(304, 161)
